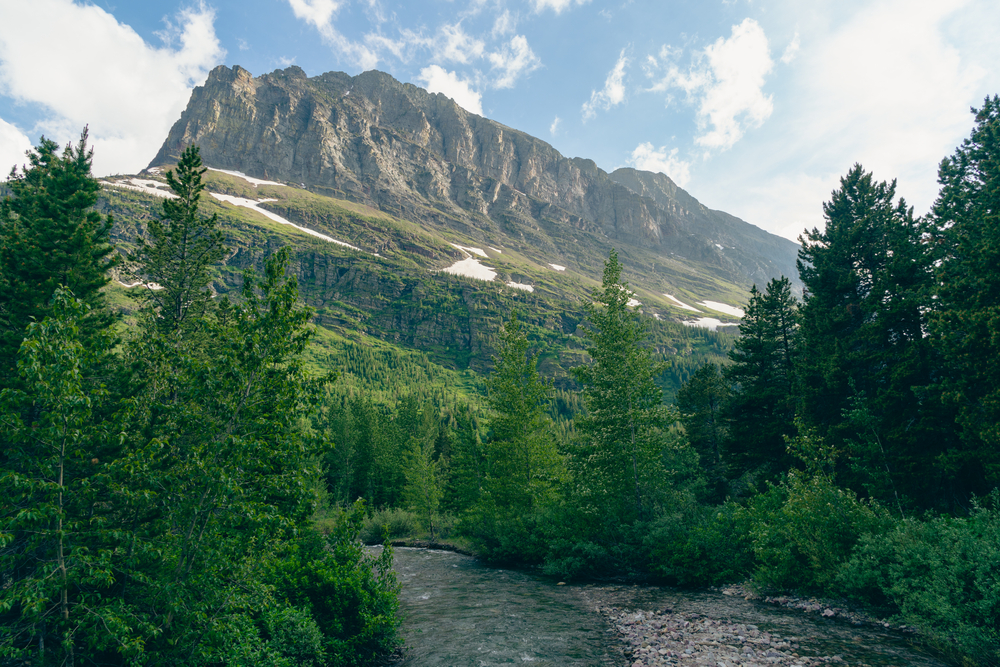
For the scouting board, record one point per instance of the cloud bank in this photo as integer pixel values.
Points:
(140, 89)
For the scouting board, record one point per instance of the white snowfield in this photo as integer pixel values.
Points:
(249, 179)
(681, 303)
(526, 288)
(474, 251)
(722, 308)
(558, 267)
(633, 303)
(471, 268)
(709, 323)
(496, 250)
(155, 188)
(139, 283)
(250, 203)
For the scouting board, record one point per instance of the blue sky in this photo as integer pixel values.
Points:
(755, 107)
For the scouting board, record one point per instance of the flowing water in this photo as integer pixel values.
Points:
(458, 612)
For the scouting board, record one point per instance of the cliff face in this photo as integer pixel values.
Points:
(421, 157)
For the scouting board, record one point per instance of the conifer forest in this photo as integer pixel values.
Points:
(181, 484)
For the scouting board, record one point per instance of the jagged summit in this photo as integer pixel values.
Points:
(421, 157)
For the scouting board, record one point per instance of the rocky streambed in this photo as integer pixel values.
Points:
(458, 612)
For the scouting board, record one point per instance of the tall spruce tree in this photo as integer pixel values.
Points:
(702, 402)
(521, 463)
(965, 319)
(50, 235)
(183, 246)
(864, 353)
(763, 402)
(618, 466)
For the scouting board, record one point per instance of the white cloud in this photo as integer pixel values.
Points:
(613, 92)
(437, 80)
(557, 5)
(791, 50)
(505, 24)
(13, 144)
(554, 127)
(725, 80)
(128, 91)
(648, 158)
(515, 60)
(318, 13)
(455, 45)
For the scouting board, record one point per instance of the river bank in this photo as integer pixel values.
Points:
(458, 611)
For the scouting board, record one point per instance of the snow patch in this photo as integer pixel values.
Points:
(249, 179)
(471, 268)
(139, 283)
(251, 204)
(557, 267)
(681, 303)
(722, 308)
(526, 288)
(719, 246)
(633, 303)
(499, 252)
(155, 188)
(474, 251)
(709, 323)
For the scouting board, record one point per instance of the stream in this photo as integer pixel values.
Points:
(458, 612)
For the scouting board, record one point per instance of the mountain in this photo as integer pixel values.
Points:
(421, 157)
(417, 228)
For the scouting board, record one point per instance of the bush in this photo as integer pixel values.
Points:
(803, 529)
(390, 522)
(569, 559)
(350, 594)
(702, 546)
(941, 575)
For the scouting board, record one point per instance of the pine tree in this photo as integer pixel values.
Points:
(521, 463)
(183, 246)
(966, 308)
(618, 465)
(762, 406)
(50, 236)
(866, 277)
(702, 402)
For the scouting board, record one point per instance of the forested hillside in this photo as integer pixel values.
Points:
(182, 459)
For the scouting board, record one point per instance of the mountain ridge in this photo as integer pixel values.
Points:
(419, 156)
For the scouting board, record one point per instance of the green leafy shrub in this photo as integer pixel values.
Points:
(392, 522)
(570, 559)
(804, 528)
(941, 575)
(349, 592)
(701, 546)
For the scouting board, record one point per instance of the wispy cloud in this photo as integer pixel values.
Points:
(558, 6)
(513, 61)
(613, 92)
(505, 24)
(438, 80)
(320, 15)
(455, 45)
(725, 81)
(791, 50)
(648, 158)
(554, 127)
(142, 88)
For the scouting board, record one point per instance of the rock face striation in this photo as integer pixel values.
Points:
(421, 157)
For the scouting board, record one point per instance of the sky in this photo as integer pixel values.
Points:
(755, 107)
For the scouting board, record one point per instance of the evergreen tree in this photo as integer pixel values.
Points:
(183, 246)
(866, 278)
(966, 311)
(521, 463)
(764, 398)
(701, 402)
(618, 466)
(51, 236)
